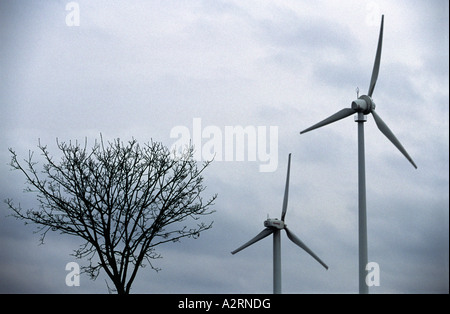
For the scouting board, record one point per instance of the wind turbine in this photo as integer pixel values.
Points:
(363, 106)
(274, 226)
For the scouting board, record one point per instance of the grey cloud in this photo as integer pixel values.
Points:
(142, 70)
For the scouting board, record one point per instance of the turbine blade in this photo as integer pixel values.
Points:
(388, 133)
(286, 190)
(376, 65)
(337, 116)
(297, 241)
(266, 232)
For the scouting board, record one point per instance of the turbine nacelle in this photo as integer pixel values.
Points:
(363, 104)
(274, 223)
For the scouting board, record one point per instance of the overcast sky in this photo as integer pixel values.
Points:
(145, 68)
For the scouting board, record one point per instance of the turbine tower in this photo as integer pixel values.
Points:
(274, 226)
(363, 106)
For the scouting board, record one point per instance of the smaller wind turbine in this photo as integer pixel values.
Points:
(274, 226)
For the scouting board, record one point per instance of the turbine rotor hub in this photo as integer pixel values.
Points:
(363, 104)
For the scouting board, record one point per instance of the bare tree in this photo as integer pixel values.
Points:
(122, 200)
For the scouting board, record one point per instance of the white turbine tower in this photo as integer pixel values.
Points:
(362, 107)
(274, 226)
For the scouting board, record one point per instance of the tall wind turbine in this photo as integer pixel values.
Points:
(274, 226)
(363, 106)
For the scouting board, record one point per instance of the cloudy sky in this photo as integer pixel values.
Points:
(146, 69)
